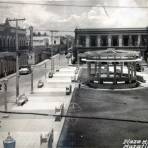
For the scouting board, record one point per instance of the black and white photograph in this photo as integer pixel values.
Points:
(73, 73)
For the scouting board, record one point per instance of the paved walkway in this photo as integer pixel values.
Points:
(26, 129)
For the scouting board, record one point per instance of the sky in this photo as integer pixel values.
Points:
(68, 18)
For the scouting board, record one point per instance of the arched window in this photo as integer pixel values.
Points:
(11, 43)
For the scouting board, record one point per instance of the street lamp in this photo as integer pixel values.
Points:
(5, 82)
(52, 60)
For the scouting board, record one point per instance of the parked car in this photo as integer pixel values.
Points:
(40, 84)
(50, 75)
(68, 91)
(139, 67)
(24, 70)
(22, 99)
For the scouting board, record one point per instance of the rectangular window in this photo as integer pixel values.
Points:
(115, 40)
(93, 41)
(82, 40)
(104, 40)
(134, 40)
(125, 40)
(144, 40)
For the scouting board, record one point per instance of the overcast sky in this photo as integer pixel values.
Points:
(68, 18)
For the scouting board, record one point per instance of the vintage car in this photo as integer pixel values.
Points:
(40, 84)
(22, 99)
(50, 75)
(24, 70)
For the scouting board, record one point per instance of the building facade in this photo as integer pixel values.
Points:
(45, 40)
(7, 37)
(8, 48)
(135, 39)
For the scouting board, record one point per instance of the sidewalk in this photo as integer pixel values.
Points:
(36, 65)
(14, 74)
(26, 129)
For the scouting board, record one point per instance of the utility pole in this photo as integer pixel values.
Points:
(52, 51)
(17, 55)
(30, 50)
(52, 60)
(5, 81)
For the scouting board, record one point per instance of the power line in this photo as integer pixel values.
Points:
(78, 117)
(71, 5)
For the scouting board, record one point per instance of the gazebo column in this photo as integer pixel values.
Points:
(99, 74)
(95, 68)
(107, 69)
(97, 71)
(88, 69)
(115, 72)
(132, 71)
(129, 77)
(135, 75)
(121, 69)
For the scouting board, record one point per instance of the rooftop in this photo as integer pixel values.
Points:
(110, 54)
(85, 30)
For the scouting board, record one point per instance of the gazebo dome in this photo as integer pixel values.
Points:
(110, 55)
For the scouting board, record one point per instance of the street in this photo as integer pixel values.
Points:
(39, 73)
(27, 128)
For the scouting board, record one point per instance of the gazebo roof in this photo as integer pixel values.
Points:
(110, 54)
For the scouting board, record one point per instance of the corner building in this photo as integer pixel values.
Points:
(133, 39)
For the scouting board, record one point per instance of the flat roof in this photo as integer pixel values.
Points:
(85, 30)
(110, 54)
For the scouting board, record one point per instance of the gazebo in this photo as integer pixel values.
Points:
(114, 67)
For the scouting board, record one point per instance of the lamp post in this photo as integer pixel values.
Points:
(5, 82)
(52, 60)
(17, 54)
(30, 50)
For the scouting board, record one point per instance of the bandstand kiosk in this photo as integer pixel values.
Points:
(111, 68)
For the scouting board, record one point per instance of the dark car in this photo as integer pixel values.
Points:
(68, 91)
(22, 99)
(50, 75)
(24, 70)
(40, 84)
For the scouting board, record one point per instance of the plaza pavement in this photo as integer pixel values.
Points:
(107, 117)
(144, 74)
(26, 129)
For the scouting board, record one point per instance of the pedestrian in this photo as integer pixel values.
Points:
(79, 84)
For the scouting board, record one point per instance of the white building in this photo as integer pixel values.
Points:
(45, 40)
(40, 41)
